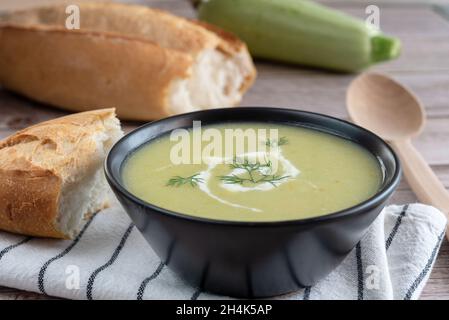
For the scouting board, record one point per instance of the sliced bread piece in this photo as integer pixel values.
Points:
(51, 174)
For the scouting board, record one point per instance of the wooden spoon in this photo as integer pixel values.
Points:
(382, 105)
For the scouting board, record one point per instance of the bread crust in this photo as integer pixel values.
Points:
(100, 69)
(34, 164)
(155, 25)
(124, 56)
(26, 206)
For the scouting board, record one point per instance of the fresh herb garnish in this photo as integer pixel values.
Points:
(178, 181)
(279, 142)
(249, 167)
(254, 173)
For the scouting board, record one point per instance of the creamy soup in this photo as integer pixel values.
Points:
(300, 173)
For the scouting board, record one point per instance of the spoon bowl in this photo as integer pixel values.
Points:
(385, 107)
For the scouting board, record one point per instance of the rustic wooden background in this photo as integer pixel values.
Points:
(423, 66)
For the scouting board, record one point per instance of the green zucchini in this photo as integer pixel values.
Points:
(302, 32)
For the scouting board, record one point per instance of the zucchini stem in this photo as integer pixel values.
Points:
(384, 48)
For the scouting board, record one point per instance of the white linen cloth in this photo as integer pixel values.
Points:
(111, 260)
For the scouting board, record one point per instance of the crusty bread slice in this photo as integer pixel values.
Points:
(149, 63)
(51, 174)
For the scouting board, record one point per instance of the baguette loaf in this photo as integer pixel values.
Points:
(51, 174)
(148, 63)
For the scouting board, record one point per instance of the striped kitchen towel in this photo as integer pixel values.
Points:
(111, 260)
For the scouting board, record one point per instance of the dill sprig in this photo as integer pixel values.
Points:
(250, 167)
(254, 173)
(279, 142)
(178, 181)
(272, 179)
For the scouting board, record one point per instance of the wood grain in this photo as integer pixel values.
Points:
(423, 67)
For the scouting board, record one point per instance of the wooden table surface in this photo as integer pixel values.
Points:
(423, 66)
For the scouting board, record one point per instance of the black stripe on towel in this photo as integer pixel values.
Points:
(360, 280)
(307, 293)
(196, 294)
(426, 269)
(13, 246)
(396, 227)
(41, 277)
(144, 283)
(204, 274)
(90, 282)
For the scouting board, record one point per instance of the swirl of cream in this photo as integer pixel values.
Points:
(284, 165)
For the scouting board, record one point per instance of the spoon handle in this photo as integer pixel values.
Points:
(423, 181)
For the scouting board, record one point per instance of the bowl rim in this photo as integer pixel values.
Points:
(380, 196)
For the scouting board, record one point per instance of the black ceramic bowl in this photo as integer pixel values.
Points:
(252, 259)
